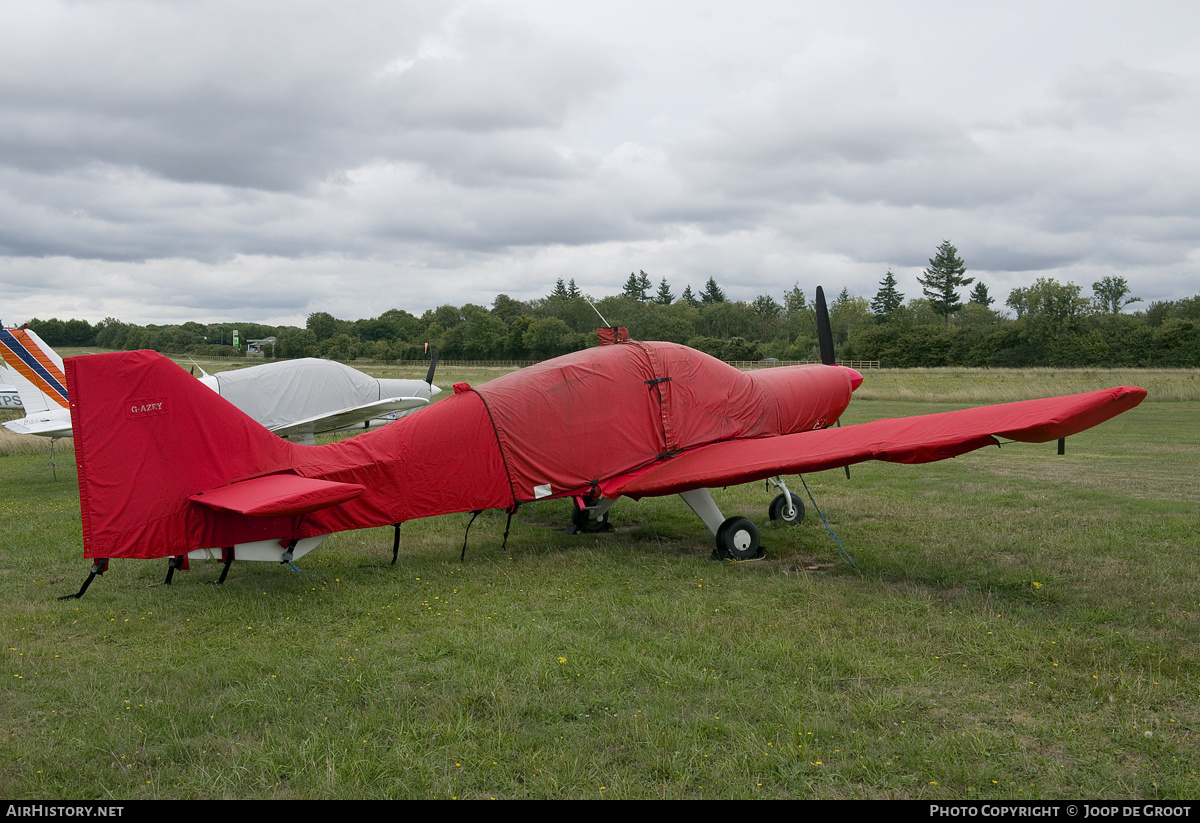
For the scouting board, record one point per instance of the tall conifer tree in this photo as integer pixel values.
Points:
(712, 292)
(664, 295)
(980, 295)
(943, 279)
(887, 299)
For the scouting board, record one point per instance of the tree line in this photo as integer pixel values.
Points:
(1052, 324)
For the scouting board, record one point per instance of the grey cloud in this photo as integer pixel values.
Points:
(1111, 95)
(493, 75)
(203, 143)
(274, 103)
(380, 148)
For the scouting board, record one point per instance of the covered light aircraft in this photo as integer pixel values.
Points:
(298, 399)
(295, 399)
(167, 469)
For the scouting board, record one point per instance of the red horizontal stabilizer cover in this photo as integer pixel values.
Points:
(278, 495)
(920, 439)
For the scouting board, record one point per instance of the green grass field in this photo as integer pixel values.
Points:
(1015, 624)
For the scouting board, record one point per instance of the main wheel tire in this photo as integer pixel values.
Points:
(737, 537)
(778, 510)
(586, 525)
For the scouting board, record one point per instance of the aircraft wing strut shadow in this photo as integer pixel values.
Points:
(624, 419)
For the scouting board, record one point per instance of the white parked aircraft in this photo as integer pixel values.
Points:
(295, 399)
(299, 399)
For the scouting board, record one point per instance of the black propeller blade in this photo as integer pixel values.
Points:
(824, 329)
(825, 340)
(432, 367)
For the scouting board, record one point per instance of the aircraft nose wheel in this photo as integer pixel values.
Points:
(737, 537)
(779, 509)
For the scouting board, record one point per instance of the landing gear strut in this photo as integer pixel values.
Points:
(588, 517)
(737, 537)
(780, 509)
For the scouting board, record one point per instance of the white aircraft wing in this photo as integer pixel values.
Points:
(303, 430)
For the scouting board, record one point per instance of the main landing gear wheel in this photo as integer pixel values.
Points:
(778, 510)
(737, 537)
(584, 524)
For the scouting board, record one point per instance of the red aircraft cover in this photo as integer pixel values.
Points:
(277, 495)
(150, 439)
(571, 423)
(921, 439)
(628, 418)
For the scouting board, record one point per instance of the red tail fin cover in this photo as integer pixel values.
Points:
(144, 443)
(148, 436)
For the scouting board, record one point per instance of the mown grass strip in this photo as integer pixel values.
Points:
(1021, 625)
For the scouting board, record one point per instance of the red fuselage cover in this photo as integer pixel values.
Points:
(148, 436)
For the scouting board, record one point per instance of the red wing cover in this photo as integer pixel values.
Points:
(278, 495)
(922, 439)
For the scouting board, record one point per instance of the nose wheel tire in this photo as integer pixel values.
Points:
(737, 537)
(778, 510)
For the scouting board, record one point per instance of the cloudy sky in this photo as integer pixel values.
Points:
(252, 160)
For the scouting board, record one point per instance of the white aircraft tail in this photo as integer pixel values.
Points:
(35, 370)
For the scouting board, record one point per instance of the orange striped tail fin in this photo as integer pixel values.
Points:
(35, 369)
